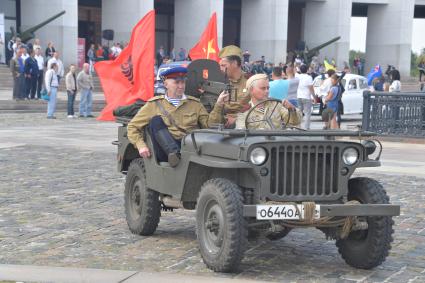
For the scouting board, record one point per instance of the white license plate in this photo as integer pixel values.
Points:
(283, 211)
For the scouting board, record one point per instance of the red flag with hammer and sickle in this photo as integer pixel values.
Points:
(207, 47)
(131, 75)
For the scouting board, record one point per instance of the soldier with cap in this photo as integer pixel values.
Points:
(230, 64)
(277, 113)
(168, 118)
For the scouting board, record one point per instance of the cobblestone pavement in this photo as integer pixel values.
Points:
(61, 204)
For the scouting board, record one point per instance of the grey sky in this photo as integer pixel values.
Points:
(359, 28)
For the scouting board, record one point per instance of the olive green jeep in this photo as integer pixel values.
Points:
(246, 184)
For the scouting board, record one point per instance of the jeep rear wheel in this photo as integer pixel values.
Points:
(367, 249)
(220, 226)
(142, 206)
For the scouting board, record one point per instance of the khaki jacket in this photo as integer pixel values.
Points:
(189, 115)
(70, 82)
(280, 116)
(14, 67)
(243, 97)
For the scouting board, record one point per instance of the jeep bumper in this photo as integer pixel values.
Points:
(335, 210)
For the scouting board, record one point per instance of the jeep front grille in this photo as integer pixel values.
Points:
(302, 172)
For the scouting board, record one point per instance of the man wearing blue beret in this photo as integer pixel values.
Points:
(170, 117)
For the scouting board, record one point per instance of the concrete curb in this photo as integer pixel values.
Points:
(31, 273)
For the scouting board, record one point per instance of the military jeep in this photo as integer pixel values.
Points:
(246, 184)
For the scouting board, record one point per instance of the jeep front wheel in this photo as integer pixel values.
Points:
(220, 226)
(142, 206)
(367, 249)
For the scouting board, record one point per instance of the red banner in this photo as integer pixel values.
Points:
(81, 52)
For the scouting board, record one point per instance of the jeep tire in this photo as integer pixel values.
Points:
(220, 226)
(142, 205)
(367, 249)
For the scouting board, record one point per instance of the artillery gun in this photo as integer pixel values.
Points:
(307, 54)
(28, 34)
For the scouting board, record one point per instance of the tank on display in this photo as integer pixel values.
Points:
(307, 54)
(28, 34)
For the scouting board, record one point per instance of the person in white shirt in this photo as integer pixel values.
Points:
(395, 85)
(304, 95)
(116, 50)
(25, 55)
(51, 83)
(40, 63)
(55, 59)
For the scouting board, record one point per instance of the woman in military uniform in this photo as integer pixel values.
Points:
(281, 113)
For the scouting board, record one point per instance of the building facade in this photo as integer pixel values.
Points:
(264, 27)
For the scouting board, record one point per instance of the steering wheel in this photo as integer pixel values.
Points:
(268, 115)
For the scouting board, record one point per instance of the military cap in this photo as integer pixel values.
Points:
(230, 50)
(178, 72)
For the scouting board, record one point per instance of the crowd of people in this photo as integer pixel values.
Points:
(35, 72)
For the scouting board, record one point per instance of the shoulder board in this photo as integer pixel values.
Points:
(193, 98)
(156, 98)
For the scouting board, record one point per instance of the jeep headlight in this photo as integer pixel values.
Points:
(258, 156)
(350, 156)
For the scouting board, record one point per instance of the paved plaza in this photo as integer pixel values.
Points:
(61, 205)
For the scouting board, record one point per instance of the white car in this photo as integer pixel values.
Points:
(352, 98)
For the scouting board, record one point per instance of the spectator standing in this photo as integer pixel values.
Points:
(31, 75)
(40, 64)
(304, 95)
(182, 54)
(60, 70)
(332, 99)
(50, 50)
(92, 57)
(85, 85)
(116, 50)
(246, 56)
(25, 54)
(36, 44)
(160, 55)
(278, 87)
(17, 67)
(421, 68)
(16, 46)
(51, 83)
(9, 50)
(325, 87)
(395, 84)
(293, 86)
(71, 89)
(99, 52)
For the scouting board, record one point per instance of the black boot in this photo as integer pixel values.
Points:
(169, 146)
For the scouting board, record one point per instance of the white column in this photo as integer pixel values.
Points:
(191, 18)
(264, 29)
(63, 32)
(122, 15)
(389, 35)
(326, 20)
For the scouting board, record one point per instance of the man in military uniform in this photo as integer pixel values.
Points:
(230, 63)
(169, 117)
(283, 113)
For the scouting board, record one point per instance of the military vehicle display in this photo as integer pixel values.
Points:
(307, 54)
(250, 183)
(28, 34)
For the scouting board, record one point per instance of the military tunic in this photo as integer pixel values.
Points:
(243, 98)
(279, 117)
(189, 115)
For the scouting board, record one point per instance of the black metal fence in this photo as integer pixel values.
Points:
(396, 114)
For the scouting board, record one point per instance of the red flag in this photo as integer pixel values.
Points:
(207, 47)
(131, 75)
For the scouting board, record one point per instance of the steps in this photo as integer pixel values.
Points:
(6, 81)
